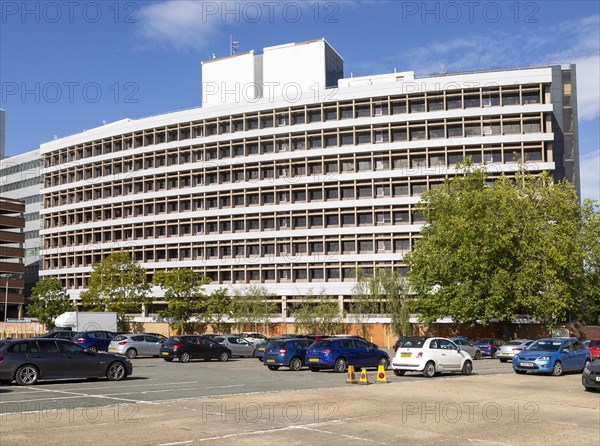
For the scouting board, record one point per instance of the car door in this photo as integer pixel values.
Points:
(244, 347)
(368, 356)
(434, 351)
(568, 356)
(80, 362)
(234, 346)
(580, 353)
(49, 359)
(350, 352)
(450, 359)
(152, 345)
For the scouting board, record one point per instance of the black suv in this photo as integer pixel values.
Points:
(193, 347)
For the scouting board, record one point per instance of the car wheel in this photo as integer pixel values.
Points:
(260, 359)
(503, 360)
(429, 370)
(27, 375)
(184, 357)
(341, 366)
(399, 372)
(384, 362)
(273, 367)
(224, 356)
(295, 364)
(467, 368)
(168, 359)
(557, 370)
(477, 355)
(131, 353)
(116, 371)
(93, 348)
(314, 369)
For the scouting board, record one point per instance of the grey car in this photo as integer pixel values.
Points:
(139, 344)
(467, 346)
(509, 350)
(238, 346)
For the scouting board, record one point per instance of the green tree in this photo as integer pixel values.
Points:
(184, 295)
(591, 242)
(49, 300)
(367, 299)
(319, 314)
(253, 306)
(118, 284)
(218, 308)
(499, 249)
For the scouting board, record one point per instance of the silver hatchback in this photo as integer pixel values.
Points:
(138, 344)
(509, 350)
(238, 346)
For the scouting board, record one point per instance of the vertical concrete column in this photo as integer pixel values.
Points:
(20, 312)
(341, 305)
(283, 308)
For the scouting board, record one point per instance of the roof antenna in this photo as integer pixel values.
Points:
(443, 69)
(233, 45)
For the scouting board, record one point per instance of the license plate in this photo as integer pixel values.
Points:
(526, 364)
(261, 349)
(405, 355)
(597, 378)
(504, 354)
(165, 353)
(313, 359)
(112, 349)
(270, 360)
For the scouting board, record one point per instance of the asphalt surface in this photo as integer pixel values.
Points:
(242, 402)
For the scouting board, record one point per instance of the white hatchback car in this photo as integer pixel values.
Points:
(431, 356)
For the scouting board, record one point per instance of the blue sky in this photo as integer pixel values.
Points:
(65, 67)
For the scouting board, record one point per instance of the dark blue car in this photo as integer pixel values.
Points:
(94, 340)
(553, 356)
(489, 346)
(287, 353)
(338, 354)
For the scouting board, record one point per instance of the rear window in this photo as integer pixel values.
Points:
(19, 347)
(218, 339)
(119, 338)
(485, 341)
(174, 340)
(413, 343)
(322, 344)
(595, 343)
(79, 334)
(276, 344)
(513, 343)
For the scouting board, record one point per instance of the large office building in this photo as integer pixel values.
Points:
(21, 179)
(291, 176)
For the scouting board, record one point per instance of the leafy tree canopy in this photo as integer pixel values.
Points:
(503, 248)
(49, 300)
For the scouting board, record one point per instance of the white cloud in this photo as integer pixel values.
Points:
(588, 87)
(590, 175)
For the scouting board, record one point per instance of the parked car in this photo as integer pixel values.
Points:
(338, 353)
(95, 340)
(508, 351)
(189, 347)
(489, 346)
(594, 347)
(238, 346)
(59, 334)
(554, 356)
(28, 360)
(287, 353)
(139, 344)
(467, 346)
(431, 356)
(590, 377)
(252, 337)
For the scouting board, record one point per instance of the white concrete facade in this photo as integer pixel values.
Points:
(292, 195)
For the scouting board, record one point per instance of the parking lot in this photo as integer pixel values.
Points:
(240, 401)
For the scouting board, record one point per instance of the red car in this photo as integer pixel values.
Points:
(594, 347)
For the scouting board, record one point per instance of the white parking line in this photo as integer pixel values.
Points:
(21, 390)
(172, 390)
(264, 431)
(94, 396)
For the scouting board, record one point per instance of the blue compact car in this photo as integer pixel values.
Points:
(489, 346)
(287, 353)
(339, 353)
(94, 340)
(553, 356)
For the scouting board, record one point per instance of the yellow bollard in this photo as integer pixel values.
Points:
(388, 342)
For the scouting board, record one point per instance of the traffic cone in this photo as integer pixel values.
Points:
(381, 375)
(351, 379)
(364, 379)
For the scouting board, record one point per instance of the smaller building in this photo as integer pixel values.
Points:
(12, 256)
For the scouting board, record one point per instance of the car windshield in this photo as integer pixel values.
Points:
(321, 344)
(595, 343)
(119, 338)
(545, 346)
(413, 343)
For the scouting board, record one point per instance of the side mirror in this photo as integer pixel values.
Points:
(458, 349)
